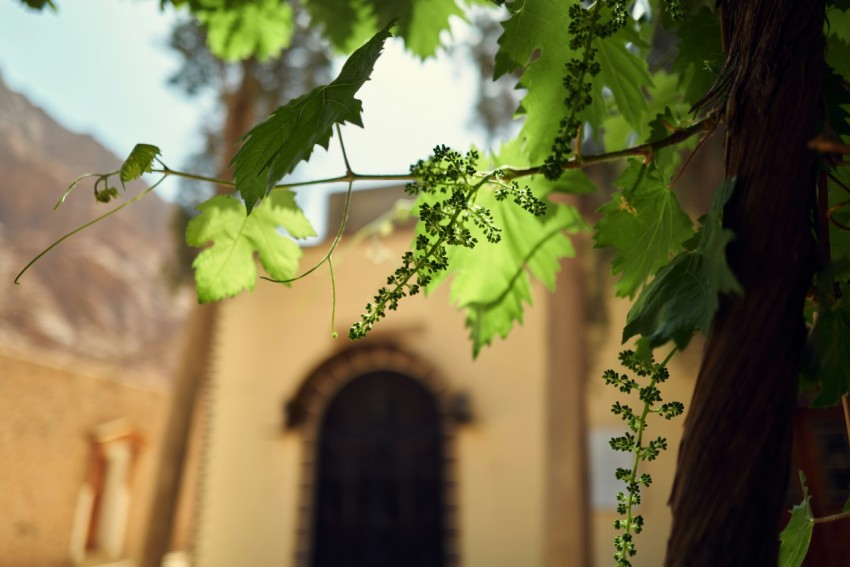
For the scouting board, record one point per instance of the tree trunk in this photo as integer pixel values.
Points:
(734, 459)
(197, 348)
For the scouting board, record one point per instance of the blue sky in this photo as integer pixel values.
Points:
(101, 67)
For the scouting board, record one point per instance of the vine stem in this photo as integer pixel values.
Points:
(832, 518)
(417, 266)
(328, 257)
(707, 124)
(829, 147)
(646, 150)
(96, 220)
(639, 445)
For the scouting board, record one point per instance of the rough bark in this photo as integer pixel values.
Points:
(735, 454)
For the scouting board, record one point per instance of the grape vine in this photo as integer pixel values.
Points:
(587, 82)
(586, 25)
(456, 181)
(650, 395)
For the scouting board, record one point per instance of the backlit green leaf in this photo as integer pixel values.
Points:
(138, 162)
(835, 93)
(683, 296)
(492, 283)
(644, 223)
(626, 75)
(838, 23)
(839, 239)
(665, 99)
(273, 148)
(420, 22)
(829, 342)
(228, 266)
(700, 54)
(795, 538)
(251, 28)
(534, 40)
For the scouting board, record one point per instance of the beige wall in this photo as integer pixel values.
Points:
(48, 415)
(271, 339)
(269, 342)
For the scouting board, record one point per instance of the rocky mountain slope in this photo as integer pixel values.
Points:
(101, 296)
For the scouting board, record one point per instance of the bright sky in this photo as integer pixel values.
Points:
(101, 67)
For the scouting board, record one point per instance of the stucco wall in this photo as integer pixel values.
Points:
(269, 342)
(48, 414)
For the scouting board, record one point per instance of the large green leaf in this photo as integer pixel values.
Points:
(795, 538)
(228, 266)
(683, 296)
(492, 283)
(273, 148)
(839, 238)
(534, 40)
(665, 100)
(644, 223)
(247, 28)
(420, 22)
(626, 75)
(838, 23)
(835, 93)
(830, 342)
(700, 54)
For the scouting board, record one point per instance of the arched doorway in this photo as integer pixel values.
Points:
(379, 496)
(378, 477)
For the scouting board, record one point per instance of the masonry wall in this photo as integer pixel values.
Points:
(47, 416)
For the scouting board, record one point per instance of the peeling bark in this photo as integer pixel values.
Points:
(735, 454)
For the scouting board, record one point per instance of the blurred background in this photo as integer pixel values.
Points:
(138, 428)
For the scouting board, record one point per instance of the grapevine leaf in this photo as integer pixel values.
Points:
(533, 40)
(838, 23)
(571, 182)
(273, 148)
(138, 162)
(664, 99)
(420, 22)
(228, 267)
(644, 223)
(494, 299)
(795, 538)
(683, 295)
(829, 339)
(700, 54)
(258, 28)
(421, 33)
(839, 240)
(626, 75)
(835, 94)
(492, 282)
(347, 24)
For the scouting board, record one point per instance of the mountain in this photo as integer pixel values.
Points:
(102, 296)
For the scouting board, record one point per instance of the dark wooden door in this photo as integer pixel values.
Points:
(379, 499)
